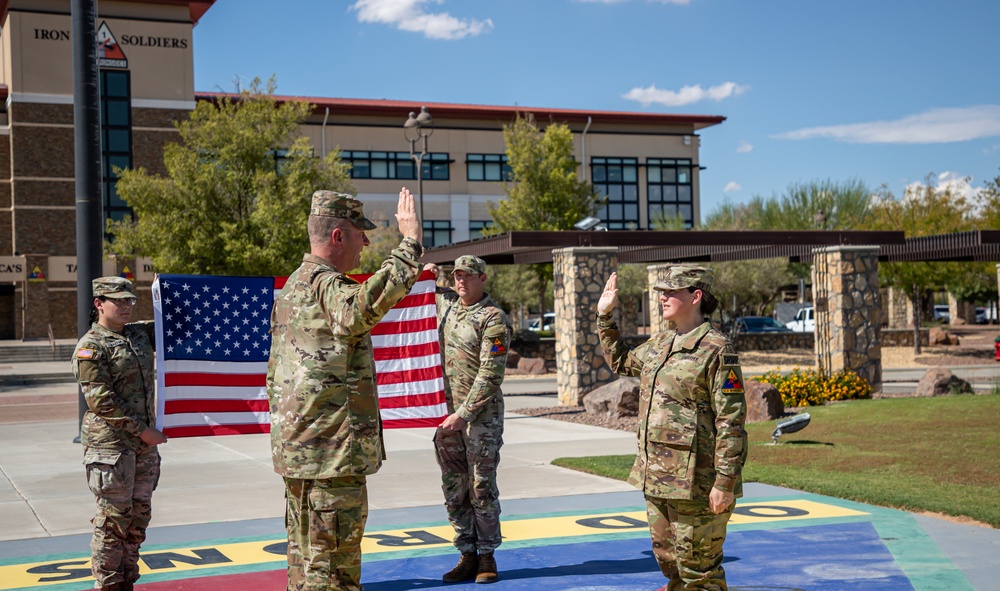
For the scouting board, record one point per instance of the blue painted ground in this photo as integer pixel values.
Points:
(842, 557)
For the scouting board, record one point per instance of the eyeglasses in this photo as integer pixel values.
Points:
(122, 301)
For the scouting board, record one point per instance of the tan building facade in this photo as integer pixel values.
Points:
(646, 164)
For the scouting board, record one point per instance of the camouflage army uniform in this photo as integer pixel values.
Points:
(115, 372)
(474, 352)
(691, 414)
(326, 432)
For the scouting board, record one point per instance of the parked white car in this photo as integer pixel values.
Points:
(942, 313)
(804, 321)
(547, 322)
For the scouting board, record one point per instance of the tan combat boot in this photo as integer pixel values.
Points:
(465, 569)
(487, 572)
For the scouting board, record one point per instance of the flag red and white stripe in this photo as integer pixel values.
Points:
(212, 345)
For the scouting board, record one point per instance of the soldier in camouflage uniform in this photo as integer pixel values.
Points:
(692, 444)
(475, 334)
(326, 432)
(113, 363)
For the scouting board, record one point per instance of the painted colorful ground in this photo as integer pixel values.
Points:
(796, 543)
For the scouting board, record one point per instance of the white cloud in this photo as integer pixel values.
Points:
(685, 96)
(936, 126)
(954, 182)
(409, 15)
(744, 148)
(957, 184)
(732, 186)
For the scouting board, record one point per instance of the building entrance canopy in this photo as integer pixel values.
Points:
(527, 247)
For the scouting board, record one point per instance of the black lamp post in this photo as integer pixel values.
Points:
(422, 126)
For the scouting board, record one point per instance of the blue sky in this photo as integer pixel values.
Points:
(884, 91)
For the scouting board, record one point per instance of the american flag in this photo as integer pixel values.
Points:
(213, 342)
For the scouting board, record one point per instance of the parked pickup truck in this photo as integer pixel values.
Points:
(804, 321)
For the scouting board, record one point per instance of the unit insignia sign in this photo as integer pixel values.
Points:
(109, 52)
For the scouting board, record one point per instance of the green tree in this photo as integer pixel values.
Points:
(844, 205)
(989, 205)
(924, 210)
(543, 193)
(750, 287)
(228, 204)
(382, 239)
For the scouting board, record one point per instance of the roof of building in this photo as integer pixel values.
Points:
(383, 107)
(197, 8)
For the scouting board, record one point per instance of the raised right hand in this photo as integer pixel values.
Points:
(609, 298)
(406, 217)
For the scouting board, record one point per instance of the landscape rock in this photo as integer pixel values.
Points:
(763, 402)
(620, 398)
(939, 336)
(512, 358)
(939, 381)
(531, 365)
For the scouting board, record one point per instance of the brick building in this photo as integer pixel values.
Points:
(644, 163)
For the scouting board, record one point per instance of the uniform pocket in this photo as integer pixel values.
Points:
(671, 437)
(671, 454)
(104, 475)
(340, 514)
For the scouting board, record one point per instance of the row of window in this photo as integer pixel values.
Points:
(669, 194)
(438, 232)
(668, 181)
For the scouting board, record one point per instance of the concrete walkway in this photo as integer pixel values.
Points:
(224, 487)
(207, 479)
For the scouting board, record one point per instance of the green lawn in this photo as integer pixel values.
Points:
(919, 454)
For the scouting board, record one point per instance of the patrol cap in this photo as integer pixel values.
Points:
(470, 264)
(685, 276)
(340, 205)
(116, 288)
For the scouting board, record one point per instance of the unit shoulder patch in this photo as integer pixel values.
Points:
(733, 383)
(497, 348)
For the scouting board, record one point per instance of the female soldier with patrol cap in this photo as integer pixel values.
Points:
(113, 363)
(691, 414)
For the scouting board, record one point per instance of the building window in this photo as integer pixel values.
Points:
(487, 167)
(668, 184)
(437, 233)
(280, 161)
(476, 228)
(395, 165)
(616, 181)
(116, 138)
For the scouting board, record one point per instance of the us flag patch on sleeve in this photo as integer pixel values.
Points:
(82, 353)
(730, 360)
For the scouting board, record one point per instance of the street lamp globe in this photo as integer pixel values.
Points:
(422, 126)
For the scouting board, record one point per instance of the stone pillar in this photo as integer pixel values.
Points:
(657, 273)
(848, 311)
(579, 276)
(960, 312)
(900, 309)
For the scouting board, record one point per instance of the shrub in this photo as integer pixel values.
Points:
(809, 387)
